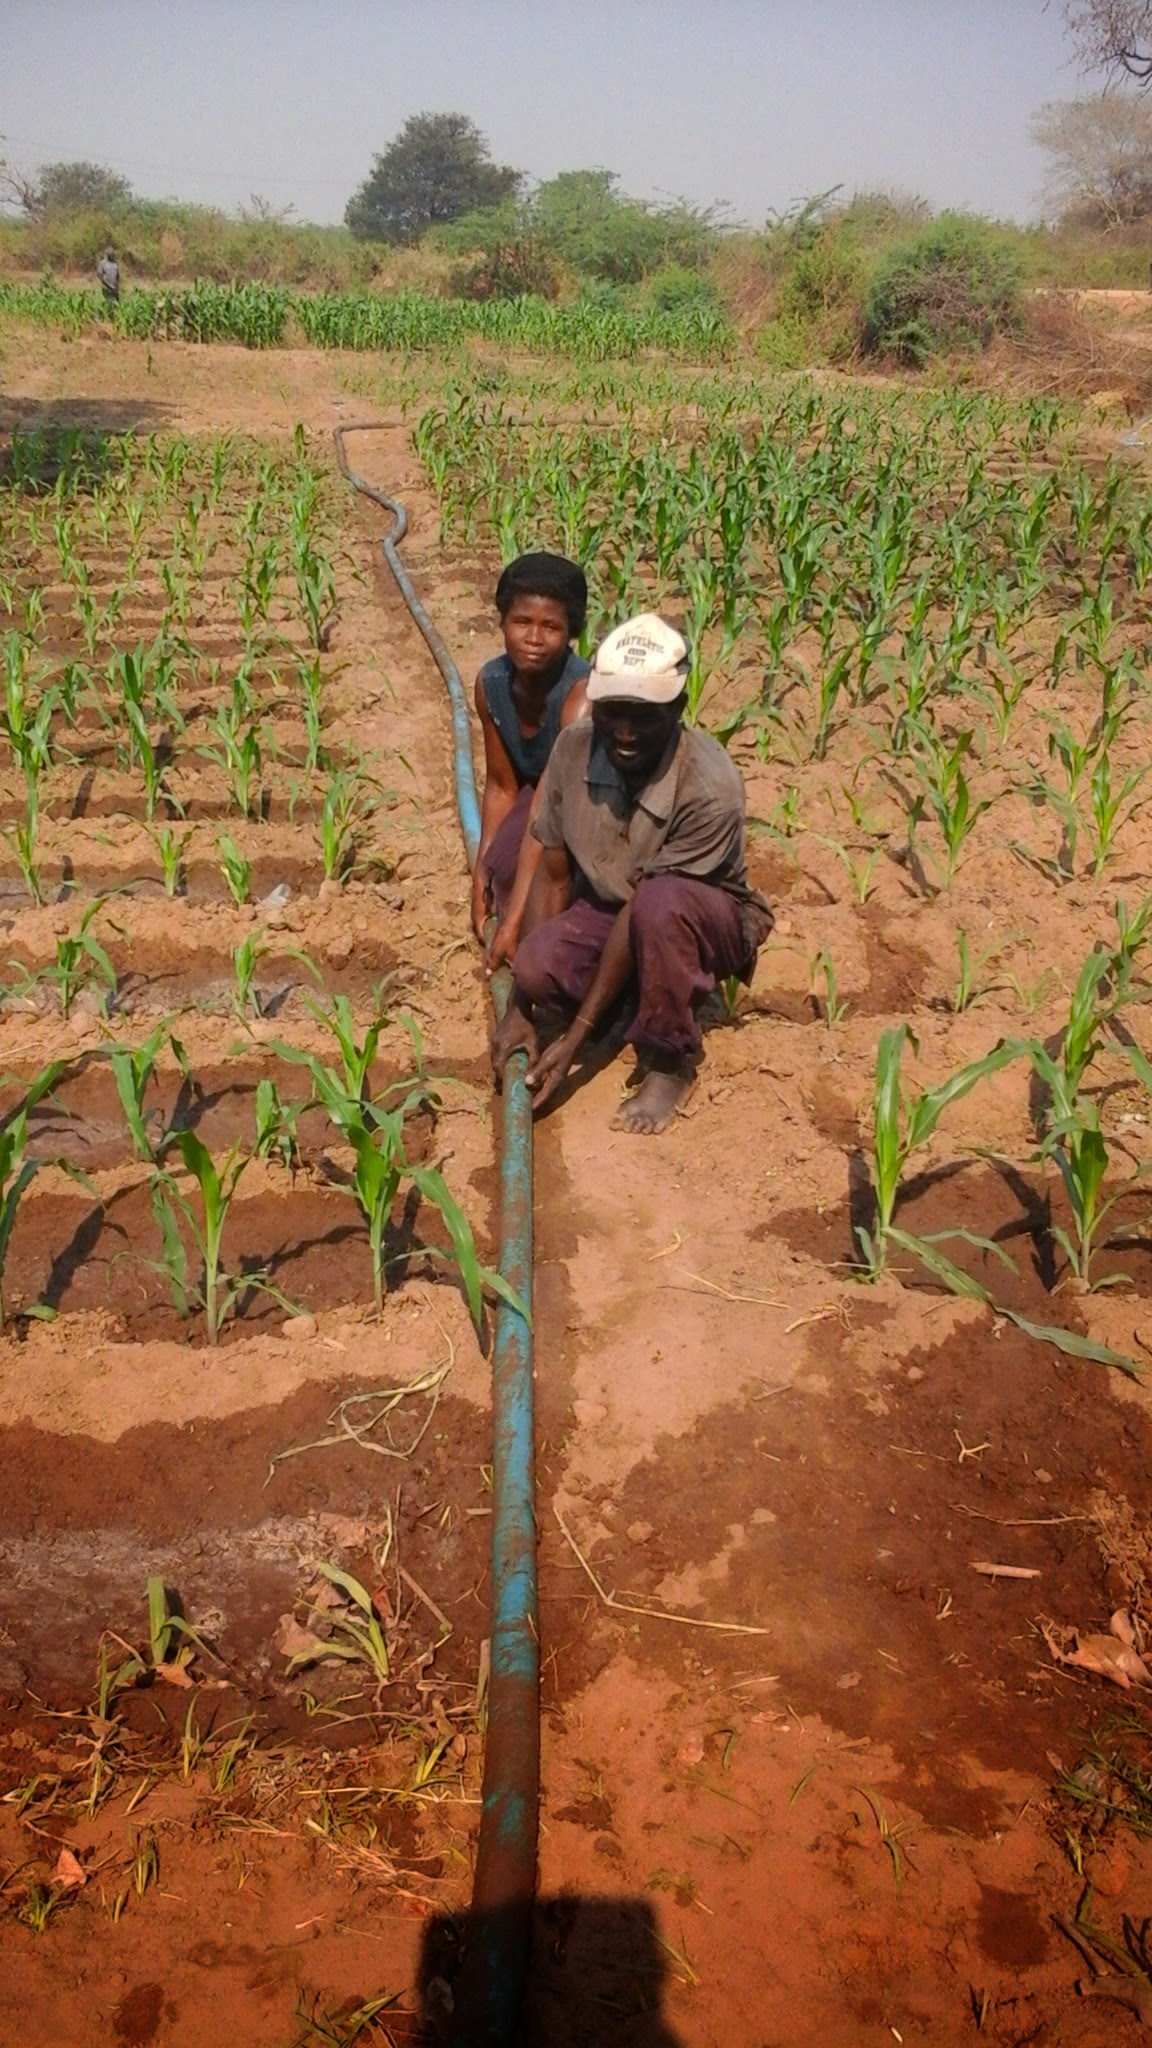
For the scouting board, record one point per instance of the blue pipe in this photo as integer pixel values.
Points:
(491, 1984)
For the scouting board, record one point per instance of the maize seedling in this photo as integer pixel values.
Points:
(353, 1639)
(821, 966)
(346, 809)
(213, 1290)
(132, 1070)
(81, 962)
(900, 1126)
(17, 1171)
(170, 852)
(165, 1626)
(236, 870)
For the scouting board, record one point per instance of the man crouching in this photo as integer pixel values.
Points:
(640, 895)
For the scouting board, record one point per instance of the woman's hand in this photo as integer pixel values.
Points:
(480, 893)
(504, 943)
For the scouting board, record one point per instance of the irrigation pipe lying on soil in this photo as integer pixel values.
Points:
(492, 1982)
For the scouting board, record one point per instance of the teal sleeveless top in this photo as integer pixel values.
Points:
(529, 757)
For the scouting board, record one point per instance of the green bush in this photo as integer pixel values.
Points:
(674, 288)
(953, 286)
(785, 344)
(581, 221)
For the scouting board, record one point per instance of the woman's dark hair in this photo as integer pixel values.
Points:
(544, 575)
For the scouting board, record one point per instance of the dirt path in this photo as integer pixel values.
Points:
(825, 1820)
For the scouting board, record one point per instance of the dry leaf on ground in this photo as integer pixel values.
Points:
(292, 1640)
(1107, 1656)
(175, 1674)
(68, 1872)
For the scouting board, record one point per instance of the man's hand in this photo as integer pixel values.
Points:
(548, 1072)
(515, 1033)
(479, 902)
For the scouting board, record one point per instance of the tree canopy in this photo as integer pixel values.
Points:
(1099, 152)
(583, 220)
(438, 168)
(69, 188)
(1112, 35)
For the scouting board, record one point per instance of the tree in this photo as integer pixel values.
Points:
(1100, 157)
(1112, 35)
(62, 189)
(68, 188)
(260, 211)
(583, 218)
(438, 168)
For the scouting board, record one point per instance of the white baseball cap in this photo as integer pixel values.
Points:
(645, 660)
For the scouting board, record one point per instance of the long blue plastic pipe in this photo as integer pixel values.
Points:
(491, 1984)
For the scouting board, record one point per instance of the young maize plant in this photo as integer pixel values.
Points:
(380, 1167)
(246, 958)
(1074, 1141)
(170, 852)
(133, 1069)
(357, 1056)
(26, 723)
(236, 870)
(354, 1631)
(239, 752)
(316, 587)
(346, 809)
(900, 1127)
(969, 988)
(279, 1121)
(17, 1171)
(311, 711)
(376, 1136)
(172, 1640)
(946, 792)
(1133, 929)
(212, 1288)
(24, 841)
(80, 963)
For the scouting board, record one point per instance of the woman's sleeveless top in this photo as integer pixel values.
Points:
(529, 757)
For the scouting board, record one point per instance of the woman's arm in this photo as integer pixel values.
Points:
(501, 790)
(575, 704)
(508, 937)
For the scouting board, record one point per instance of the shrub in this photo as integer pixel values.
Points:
(953, 286)
(784, 345)
(676, 289)
(515, 269)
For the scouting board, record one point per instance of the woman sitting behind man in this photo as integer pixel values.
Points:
(524, 698)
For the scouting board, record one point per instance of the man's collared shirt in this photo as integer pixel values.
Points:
(688, 820)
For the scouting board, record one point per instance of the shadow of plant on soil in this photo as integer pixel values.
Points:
(81, 1245)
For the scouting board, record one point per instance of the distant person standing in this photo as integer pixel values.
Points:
(108, 271)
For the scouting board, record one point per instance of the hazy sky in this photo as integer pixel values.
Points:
(756, 102)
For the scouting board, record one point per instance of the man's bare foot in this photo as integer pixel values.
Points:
(661, 1093)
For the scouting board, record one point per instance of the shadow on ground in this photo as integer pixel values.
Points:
(71, 433)
(597, 1977)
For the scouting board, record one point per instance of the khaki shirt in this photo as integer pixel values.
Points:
(688, 820)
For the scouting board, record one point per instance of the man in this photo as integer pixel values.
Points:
(641, 888)
(108, 271)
